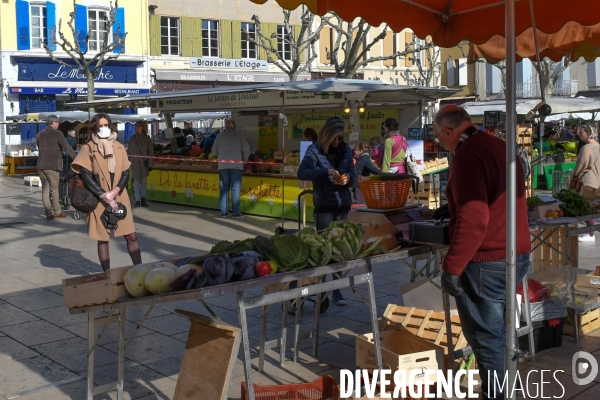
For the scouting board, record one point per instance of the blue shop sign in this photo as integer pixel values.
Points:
(44, 69)
(80, 91)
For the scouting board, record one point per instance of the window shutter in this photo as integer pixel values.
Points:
(225, 36)
(267, 30)
(155, 35)
(118, 28)
(450, 72)
(408, 60)
(463, 77)
(81, 26)
(389, 48)
(325, 44)
(236, 39)
(51, 25)
(302, 54)
(23, 41)
(191, 37)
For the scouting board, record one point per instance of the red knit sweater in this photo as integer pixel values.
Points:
(476, 194)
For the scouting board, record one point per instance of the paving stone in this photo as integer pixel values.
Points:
(13, 350)
(60, 316)
(41, 277)
(72, 354)
(74, 390)
(336, 354)
(592, 393)
(20, 375)
(149, 347)
(18, 288)
(560, 359)
(36, 301)
(136, 314)
(170, 324)
(586, 343)
(168, 366)
(111, 332)
(139, 381)
(531, 379)
(6, 278)
(36, 332)
(11, 315)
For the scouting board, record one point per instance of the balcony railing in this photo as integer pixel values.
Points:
(532, 90)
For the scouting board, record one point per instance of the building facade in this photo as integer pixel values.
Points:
(33, 82)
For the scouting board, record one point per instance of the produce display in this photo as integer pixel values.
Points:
(251, 258)
(574, 204)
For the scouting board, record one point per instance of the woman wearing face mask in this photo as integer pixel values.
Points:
(104, 168)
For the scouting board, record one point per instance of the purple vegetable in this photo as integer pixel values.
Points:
(181, 282)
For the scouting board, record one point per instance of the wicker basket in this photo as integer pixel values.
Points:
(324, 387)
(385, 194)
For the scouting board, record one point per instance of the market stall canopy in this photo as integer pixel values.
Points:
(81, 116)
(449, 22)
(586, 116)
(560, 105)
(572, 41)
(320, 93)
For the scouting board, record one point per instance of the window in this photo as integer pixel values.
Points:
(97, 29)
(169, 36)
(210, 38)
(418, 53)
(39, 26)
(248, 48)
(284, 48)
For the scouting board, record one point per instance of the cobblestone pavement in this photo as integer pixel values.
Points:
(43, 347)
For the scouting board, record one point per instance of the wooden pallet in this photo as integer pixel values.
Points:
(545, 257)
(426, 324)
(588, 321)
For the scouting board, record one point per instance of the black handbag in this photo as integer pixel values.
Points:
(110, 218)
(81, 198)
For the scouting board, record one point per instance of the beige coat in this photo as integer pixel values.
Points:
(140, 145)
(99, 169)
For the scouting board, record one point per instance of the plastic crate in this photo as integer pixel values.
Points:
(546, 335)
(385, 194)
(322, 388)
(560, 181)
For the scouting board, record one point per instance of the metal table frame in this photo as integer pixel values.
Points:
(244, 304)
(544, 227)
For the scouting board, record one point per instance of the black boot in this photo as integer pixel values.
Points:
(137, 204)
(144, 204)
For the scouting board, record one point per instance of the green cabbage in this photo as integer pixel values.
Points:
(292, 252)
(346, 240)
(319, 248)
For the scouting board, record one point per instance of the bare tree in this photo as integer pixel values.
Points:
(302, 43)
(550, 72)
(427, 59)
(88, 65)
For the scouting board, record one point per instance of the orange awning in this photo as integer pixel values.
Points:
(474, 20)
(573, 41)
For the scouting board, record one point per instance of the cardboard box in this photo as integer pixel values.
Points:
(77, 292)
(400, 350)
(541, 209)
(422, 294)
(375, 226)
(590, 280)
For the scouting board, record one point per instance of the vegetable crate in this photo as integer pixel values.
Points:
(588, 322)
(89, 289)
(324, 387)
(524, 137)
(427, 324)
(560, 181)
(553, 251)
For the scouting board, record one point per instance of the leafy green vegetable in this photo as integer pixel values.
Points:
(238, 246)
(292, 252)
(265, 248)
(574, 204)
(533, 201)
(319, 248)
(346, 239)
(221, 247)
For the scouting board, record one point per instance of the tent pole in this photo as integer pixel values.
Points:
(510, 355)
(283, 163)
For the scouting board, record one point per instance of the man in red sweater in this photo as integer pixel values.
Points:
(475, 266)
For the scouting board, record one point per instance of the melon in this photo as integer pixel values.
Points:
(158, 279)
(164, 264)
(183, 269)
(135, 280)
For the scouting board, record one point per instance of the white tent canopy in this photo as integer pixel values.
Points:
(82, 116)
(560, 105)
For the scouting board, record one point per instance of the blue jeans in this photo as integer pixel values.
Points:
(481, 308)
(230, 179)
(139, 187)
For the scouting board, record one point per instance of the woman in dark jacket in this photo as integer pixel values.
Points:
(364, 167)
(328, 164)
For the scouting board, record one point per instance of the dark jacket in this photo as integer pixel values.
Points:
(72, 142)
(51, 142)
(331, 198)
(207, 142)
(364, 167)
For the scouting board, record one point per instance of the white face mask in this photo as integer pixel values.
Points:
(104, 132)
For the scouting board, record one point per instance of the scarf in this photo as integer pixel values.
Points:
(470, 131)
(105, 147)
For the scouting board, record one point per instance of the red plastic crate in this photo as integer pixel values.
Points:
(323, 388)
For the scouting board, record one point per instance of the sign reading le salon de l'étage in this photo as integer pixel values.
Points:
(228, 63)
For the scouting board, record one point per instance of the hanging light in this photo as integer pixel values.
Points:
(347, 108)
(361, 108)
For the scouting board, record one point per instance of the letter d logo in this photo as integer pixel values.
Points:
(584, 363)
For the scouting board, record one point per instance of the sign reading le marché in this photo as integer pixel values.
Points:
(228, 63)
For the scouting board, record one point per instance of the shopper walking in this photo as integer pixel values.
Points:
(140, 145)
(71, 139)
(364, 167)
(474, 268)
(587, 169)
(51, 143)
(230, 145)
(394, 152)
(329, 165)
(104, 168)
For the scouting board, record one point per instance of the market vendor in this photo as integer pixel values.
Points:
(474, 268)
